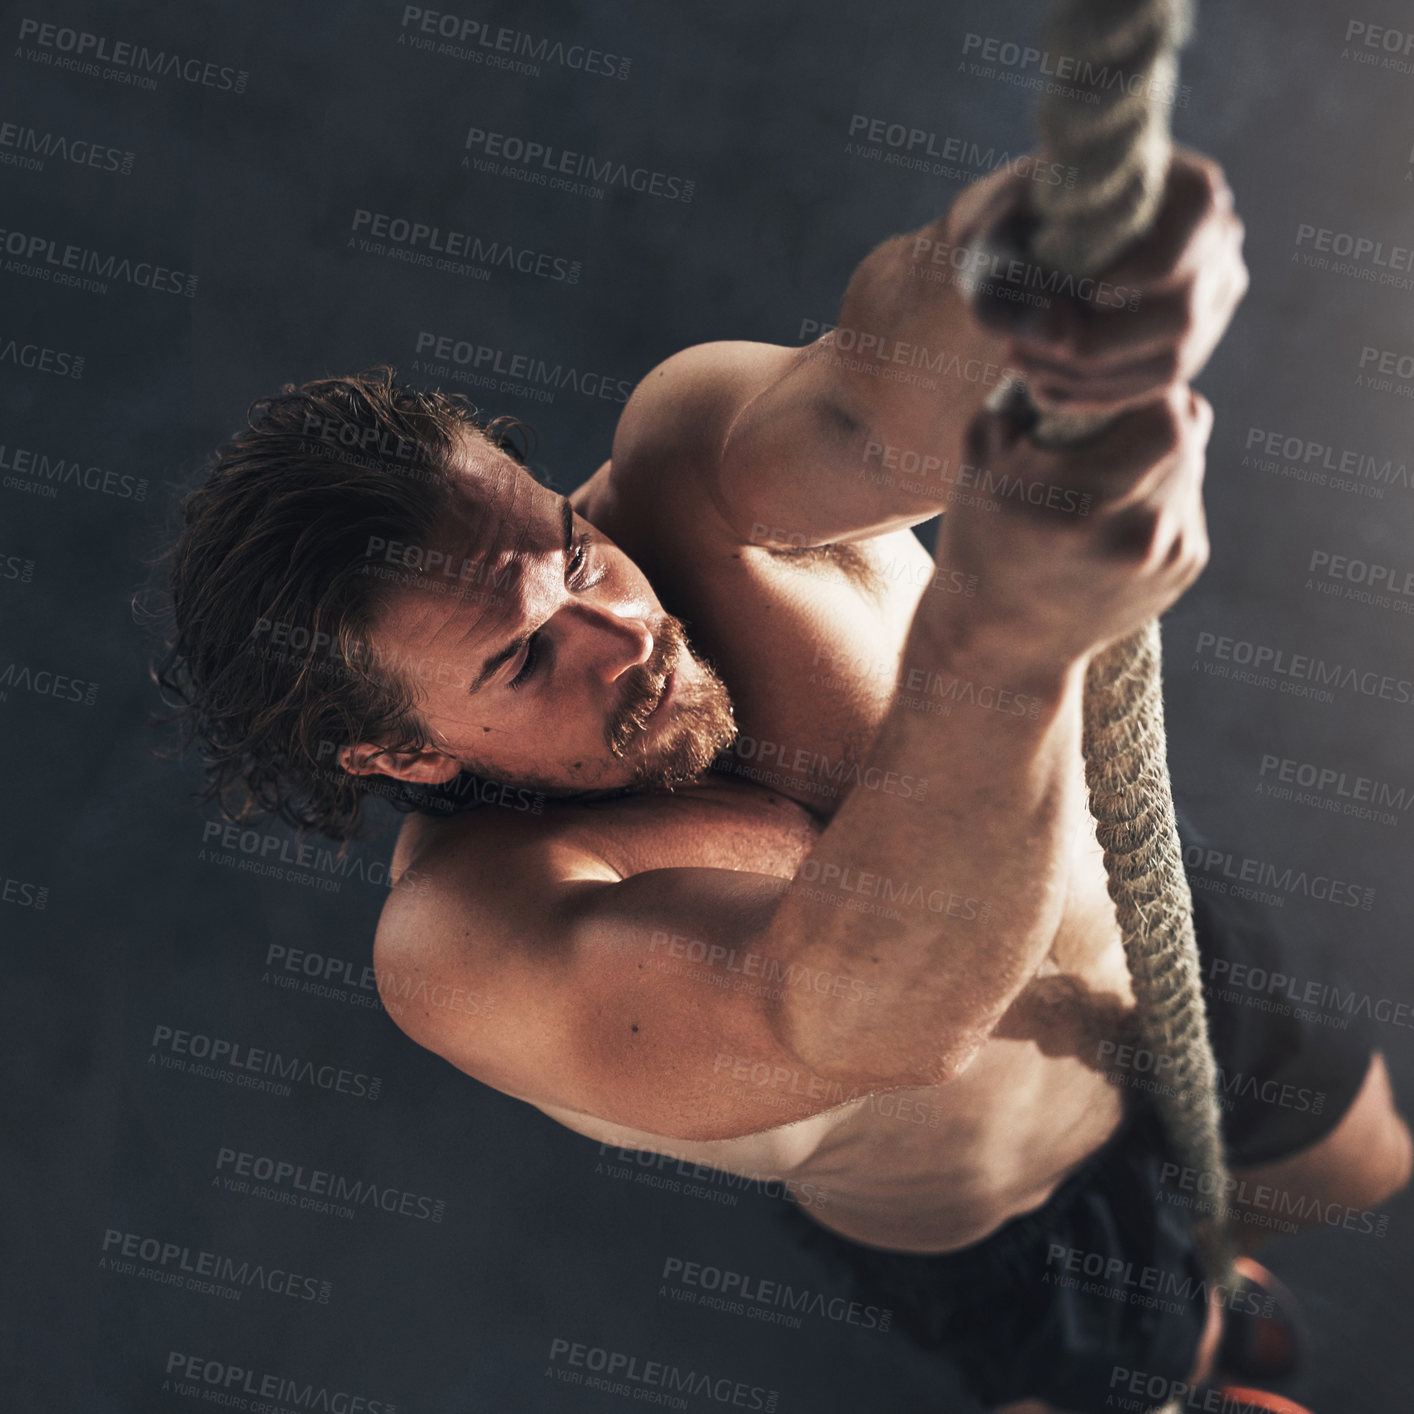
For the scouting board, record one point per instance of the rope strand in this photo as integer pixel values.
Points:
(1116, 137)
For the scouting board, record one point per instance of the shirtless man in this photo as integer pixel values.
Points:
(912, 860)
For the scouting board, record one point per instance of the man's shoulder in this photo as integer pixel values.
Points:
(681, 412)
(516, 836)
(701, 387)
(477, 870)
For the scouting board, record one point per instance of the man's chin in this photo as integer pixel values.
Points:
(703, 725)
(663, 756)
(682, 761)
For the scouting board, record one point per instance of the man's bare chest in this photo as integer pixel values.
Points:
(810, 648)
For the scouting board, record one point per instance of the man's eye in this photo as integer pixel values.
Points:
(532, 652)
(578, 559)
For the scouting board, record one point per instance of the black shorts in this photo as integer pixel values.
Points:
(1105, 1274)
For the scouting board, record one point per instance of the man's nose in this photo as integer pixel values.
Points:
(621, 640)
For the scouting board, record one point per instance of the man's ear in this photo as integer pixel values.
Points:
(426, 767)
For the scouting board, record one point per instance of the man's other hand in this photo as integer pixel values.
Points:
(1140, 327)
(1116, 537)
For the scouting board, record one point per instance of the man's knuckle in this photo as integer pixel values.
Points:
(1165, 424)
(1211, 180)
(1188, 549)
(1084, 344)
(1132, 537)
(1168, 363)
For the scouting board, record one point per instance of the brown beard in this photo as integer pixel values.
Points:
(643, 686)
(702, 724)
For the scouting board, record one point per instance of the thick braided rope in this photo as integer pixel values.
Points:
(1120, 146)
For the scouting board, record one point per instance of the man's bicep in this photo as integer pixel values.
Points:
(646, 1002)
(812, 459)
(734, 439)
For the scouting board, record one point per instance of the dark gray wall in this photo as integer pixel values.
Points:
(253, 193)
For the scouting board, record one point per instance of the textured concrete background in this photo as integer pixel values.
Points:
(254, 192)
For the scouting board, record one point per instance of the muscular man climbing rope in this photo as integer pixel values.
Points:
(814, 890)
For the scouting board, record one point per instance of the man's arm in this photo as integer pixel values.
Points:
(1053, 588)
(708, 1004)
(642, 1001)
(864, 430)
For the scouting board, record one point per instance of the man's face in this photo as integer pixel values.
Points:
(539, 653)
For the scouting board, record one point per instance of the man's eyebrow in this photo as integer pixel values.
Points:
(499, 659)
(567, 522)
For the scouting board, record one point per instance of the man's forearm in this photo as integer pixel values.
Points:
(1006, 794)
(965, 888)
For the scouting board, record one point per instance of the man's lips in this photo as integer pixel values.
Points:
(636, 720)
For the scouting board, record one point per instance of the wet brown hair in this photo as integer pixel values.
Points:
(269, 664)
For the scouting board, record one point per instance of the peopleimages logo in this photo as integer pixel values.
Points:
(53, 470)
(43, 682)
(1308, 459)
(1379, 46)
(1080, 78)
(1122, 1280)
(770, 970)
(546, 165)
(221, 1383)
(130, 62)
(321, 1190)
(1333, 789)
(210, 1273)
(942, 155)
(460, 37)
(631, 1375)
(27, 147)
(678, 1173)
(1307, 999)
(1249, 1200)
(1382, 586)
(217, 1058)
(1242, 876)
(60, 362)
(266, 852)
(1297, 673)
(23, 894)
(424, 242)
(1354, 255)
(42, 257)
(538, 375)
(775, 1303)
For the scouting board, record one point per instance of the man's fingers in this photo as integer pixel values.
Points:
(1139, 451)
(1196, 197)
(1094, 332)
(1084, 340)
(1127, 463)
(1093, 357)
(1160, 519)
(1133, 384)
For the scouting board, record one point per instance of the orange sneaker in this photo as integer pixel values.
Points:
(1264, 1337)
(1239, 1400)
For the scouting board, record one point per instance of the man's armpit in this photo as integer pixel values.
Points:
(841, 557)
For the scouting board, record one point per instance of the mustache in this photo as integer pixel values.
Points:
(643, 685)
